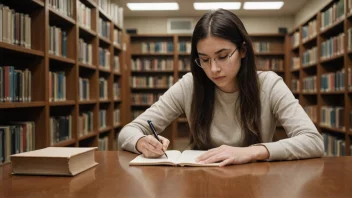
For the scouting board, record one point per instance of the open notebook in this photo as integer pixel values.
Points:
(176, 158)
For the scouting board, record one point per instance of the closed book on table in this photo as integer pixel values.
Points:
(54, 161)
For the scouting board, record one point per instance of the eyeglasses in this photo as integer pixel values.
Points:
(220, 61)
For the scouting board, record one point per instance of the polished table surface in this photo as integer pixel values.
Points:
(113, 177)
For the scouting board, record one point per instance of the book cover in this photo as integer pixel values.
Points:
(66, 161)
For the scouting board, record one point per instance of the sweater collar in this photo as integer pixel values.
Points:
(221, 95)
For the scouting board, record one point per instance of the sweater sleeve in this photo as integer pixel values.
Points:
(169, 106)
(304, 140)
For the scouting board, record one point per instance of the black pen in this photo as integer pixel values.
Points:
(155, 135)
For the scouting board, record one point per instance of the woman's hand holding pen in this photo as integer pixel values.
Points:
(233, 155)
(151, 147)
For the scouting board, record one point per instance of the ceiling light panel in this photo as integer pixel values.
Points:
(270, 5)
(216, 5)
(152, 6)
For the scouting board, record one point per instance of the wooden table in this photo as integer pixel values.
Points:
(113, 177)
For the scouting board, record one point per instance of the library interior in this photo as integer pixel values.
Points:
(74, 73)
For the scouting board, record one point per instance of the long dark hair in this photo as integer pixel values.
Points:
(226, 25)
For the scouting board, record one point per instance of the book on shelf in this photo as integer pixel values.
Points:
(16, 27)
(85, 123)
(117, 116)
(17, 137)
(309, 31)
(103, 143)
(102, 118)
(333, 14)
(57, 86)
(57, 41)
(103, 88)
(65, 161)
(60, 129)
(113, 10)
(175, 158)
(104, 28)
(84, 15)
(15, 85)
(64, 7)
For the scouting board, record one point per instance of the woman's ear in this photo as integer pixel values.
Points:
(243, 50)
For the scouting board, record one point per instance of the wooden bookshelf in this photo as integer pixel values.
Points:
(86, 31)
(19, 49)
(323, 66)
(179, 129)
(11, 105)
(40, 62)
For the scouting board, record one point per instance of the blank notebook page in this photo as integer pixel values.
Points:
(189, 156)
(172, 154)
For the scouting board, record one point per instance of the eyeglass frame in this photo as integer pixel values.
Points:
(228, 58)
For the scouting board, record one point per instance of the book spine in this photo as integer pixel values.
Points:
(2, 143)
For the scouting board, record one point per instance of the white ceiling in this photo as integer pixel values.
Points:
(291, 7)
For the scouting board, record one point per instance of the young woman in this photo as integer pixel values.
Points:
(232, 109)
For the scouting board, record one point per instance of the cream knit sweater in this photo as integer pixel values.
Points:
(278, 105)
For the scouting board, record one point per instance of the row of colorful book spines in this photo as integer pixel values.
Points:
(333, 81)
(334, 146)
(85, 123)
(309, 30)
(84, 15)
(15, 85)
(328, 18)
(65, 7)
(104, 57)
(152, 65)
(152, 81)
(333, 14)
(332, 117)
(261, 46)
(310, 84)
(152, 61)
(16, 138)
(86, 119)
(57, 86)
(15, 27)
(114, 11)
(57, 41)
(143, 60)
(144, 98)
(104, 28)
(103, 143)
(60, 129)
(329, 82)
(184, 47)
(333, 46)
(85, 52)
(310, 56)
(157, 47)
